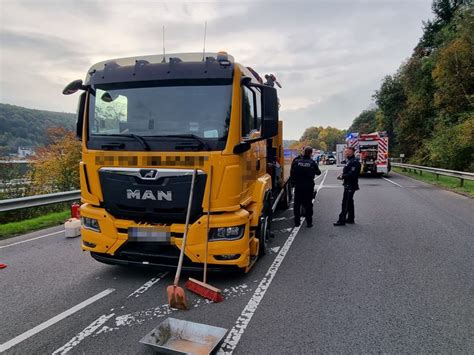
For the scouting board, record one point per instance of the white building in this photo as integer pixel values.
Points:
(24, 152)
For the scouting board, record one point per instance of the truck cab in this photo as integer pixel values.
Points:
(146, 124)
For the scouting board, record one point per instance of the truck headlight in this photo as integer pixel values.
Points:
(90, 223)
(226, 233)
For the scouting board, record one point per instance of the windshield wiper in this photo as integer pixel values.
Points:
(130, 135)
(190, 135)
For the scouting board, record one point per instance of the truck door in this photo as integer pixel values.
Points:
(254, 160)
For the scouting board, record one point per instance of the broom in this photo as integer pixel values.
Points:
(202, 288)
(176, 295)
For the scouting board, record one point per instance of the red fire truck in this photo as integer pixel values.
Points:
(372, 150)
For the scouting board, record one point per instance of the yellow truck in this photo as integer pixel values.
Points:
(146, 124)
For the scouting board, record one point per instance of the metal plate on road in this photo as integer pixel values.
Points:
(149, 234)
(176, 336)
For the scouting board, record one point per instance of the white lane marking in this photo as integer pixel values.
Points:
(243, 321)
(393, 182)
(285, 230)
(90, 329)
(279, 219)
(140, 317)
(322, 182)
(317, 177)
(143, 288)
(54, 320)
(233, 337)
(30, 240)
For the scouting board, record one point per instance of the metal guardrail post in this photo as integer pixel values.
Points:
(461, 175)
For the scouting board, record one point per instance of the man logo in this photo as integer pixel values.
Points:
(149, 195)
(148, 174)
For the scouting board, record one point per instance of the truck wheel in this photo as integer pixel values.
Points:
(263, 234)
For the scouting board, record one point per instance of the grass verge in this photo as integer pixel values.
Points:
(448, 182)
(11, 229)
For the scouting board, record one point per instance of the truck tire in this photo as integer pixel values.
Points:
(263, 230)
(263, 233)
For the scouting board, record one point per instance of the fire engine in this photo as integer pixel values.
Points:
(372, 150)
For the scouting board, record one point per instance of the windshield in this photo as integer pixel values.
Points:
(156, 111)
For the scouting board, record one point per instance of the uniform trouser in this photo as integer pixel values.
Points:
(303, 197)
(347, 213)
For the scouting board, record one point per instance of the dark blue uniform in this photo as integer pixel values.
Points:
(350, 176)
(303, 171)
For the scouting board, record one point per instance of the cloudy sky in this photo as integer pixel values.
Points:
(329, 56)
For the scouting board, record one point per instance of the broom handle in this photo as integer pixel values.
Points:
(208, 218)
(188, 213)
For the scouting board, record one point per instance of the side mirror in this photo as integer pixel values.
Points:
(242, 147)
(269, 112)
(80, 115)
(245, 81)
(73, 87)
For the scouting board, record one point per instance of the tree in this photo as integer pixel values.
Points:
(427, 107)
(391, 100)
(56, 166)
(454, 71)
(12, 180)
(26, 127)
(321, 138)
(453, 146)
(332, 136)
(444, 10)
(365, 123)
(433, 36)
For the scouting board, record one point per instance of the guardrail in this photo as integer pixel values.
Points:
(462, 175)
(38, 200)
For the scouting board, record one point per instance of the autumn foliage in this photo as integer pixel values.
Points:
(427, 106)
(323, 138)
(56, 166)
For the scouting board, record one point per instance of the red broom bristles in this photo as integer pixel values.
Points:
(204, 290)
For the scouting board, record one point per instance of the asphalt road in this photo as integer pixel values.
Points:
(398, 281)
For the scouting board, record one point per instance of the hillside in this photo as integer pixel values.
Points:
(427, 106)
(24, 127)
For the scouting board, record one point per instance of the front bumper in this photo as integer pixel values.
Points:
(112, 244)
(187, 265)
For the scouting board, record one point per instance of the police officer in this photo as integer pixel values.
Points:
(350, 177)
(303, 171)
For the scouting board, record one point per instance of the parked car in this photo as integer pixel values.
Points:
(330, 159)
